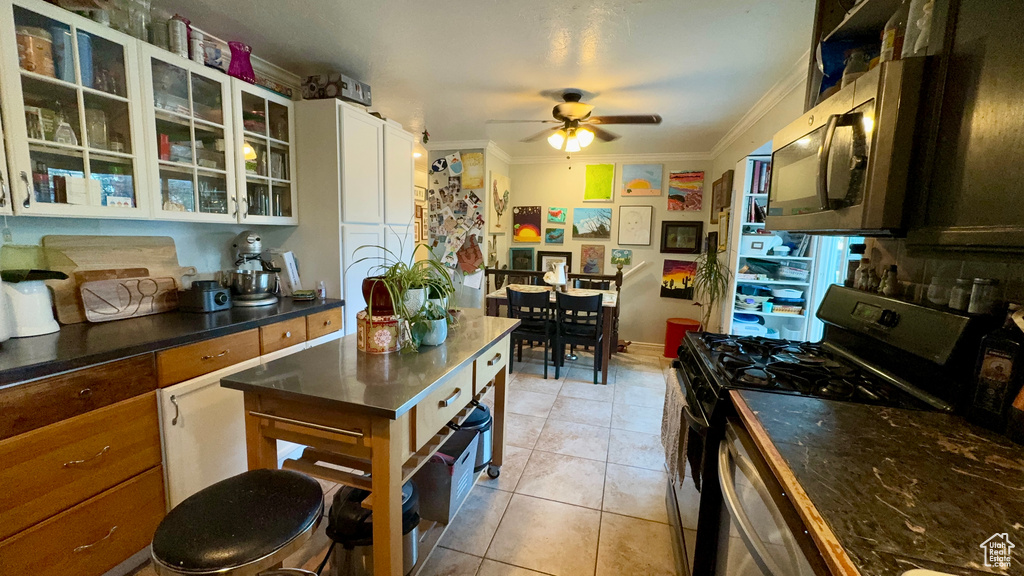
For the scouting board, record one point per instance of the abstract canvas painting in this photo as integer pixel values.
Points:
(635, 225)
(677, 279)
(641, 180)
(686, 191)
(592, 259)
(557, 215)
(621, 256)
(526, 223)
(554, 235)
(592, 223)
(600, 179)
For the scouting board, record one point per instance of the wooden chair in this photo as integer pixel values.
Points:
(505, 276)
(578, 323)
(533, 309)
(602, 282)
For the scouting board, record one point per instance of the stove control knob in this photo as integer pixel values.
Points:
(889, 318)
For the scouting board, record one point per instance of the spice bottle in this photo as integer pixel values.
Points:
(960, 295)
(894, 32)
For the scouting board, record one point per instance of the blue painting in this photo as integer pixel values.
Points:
(554, 235)
(592, 223)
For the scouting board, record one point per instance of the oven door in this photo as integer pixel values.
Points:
(755, 538)
(842, 166)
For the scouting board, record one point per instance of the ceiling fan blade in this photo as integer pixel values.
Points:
(602, 134)
(522, 122)
(628, 119)
(542, 134)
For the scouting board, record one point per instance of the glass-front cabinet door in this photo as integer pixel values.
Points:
(265, 164)
(6, 203)
(70, 93)
(188, 119)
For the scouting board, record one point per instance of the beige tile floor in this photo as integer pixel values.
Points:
(582, 488)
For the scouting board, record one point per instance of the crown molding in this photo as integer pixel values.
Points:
(615, 158)
(794, 78)
(496, 151)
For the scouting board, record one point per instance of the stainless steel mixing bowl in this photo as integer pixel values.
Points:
(251, 284)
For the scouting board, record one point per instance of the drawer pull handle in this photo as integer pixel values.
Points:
(85, 393)
(282, 419)
(288, 334)
(495, 360)
(85, 547)
(448, 401)
(99, 454)
(211, 357)
(174, 400)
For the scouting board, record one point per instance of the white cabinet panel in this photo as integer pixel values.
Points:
(398, 176)
(400, 242)
(264, 125)
(337, 335)
(6, 200)
(354, 236)
(203, 430)
(362, 154)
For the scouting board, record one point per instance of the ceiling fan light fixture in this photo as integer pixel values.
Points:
(557, 139)
(572, 144)
(584, 136)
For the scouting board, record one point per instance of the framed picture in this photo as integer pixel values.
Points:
(419, 211)
(418, 230)
(592, 259)
(526, 223)
(424, 232)
(681, 237)
(545, 259)
(635, 225)
(723, 230)
(520, 258)
(721, 195)
(592, 223)
(421, 193)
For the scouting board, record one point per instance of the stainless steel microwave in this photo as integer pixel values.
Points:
(842, 167)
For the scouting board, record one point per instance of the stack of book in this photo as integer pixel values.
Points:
(760, 177)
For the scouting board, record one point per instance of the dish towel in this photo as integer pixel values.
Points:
(674, 429)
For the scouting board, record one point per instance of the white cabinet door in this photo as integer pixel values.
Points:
(400, 241)
(6, 199)
(362, 166)
(190, 138)
(73, 115)
(203, 429)
(352, 237)
(399, 171)
(265, 169)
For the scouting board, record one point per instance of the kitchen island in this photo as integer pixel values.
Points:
(883, 490)
(382, 414)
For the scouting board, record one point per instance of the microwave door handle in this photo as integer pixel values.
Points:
(727, 482)
(824, 153)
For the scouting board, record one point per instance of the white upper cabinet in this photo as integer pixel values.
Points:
(190, 138)
(265, 162)
(362, 165)
(69, 88)
(6, 203)
(398, 175)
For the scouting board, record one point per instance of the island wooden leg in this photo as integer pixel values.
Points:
(261, 452)
(498, 418)
(386, 489)
(608, 322)
(492, 307)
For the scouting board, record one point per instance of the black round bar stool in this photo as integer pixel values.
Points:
(242, 526)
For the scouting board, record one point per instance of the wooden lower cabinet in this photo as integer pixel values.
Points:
(187, 362)
(492, 361)
(51, 469)
(440, 406)
(281, 335)
(94, 536)
(323, 323)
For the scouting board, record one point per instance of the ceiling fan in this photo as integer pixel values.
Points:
(577, 128)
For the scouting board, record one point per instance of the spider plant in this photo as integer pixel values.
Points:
(710, 283)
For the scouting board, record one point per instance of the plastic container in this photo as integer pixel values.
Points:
(984, 296)
(960, 295)
(35, 50)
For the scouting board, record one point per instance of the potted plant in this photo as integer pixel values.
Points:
(710, 284)
(430, 327)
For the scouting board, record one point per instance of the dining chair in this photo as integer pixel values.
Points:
(533, 310)
(578, 323)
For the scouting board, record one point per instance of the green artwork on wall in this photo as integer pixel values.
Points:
(600, 180)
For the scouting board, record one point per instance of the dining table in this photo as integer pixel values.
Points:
(610, 300)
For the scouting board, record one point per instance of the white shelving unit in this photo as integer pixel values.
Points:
(744, 195)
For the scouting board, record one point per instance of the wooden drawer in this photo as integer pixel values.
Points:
(282, 335)
(323, 323)
(441, 405)
(51, 469)
(493, 360)
(92, 537)
(187, 362)
(41, 402)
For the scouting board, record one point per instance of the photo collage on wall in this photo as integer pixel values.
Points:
(455, 221)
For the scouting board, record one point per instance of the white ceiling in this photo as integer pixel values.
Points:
(450, 66)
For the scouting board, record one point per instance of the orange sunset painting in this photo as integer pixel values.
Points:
(641, 179)
(677, 278)
(526, 224)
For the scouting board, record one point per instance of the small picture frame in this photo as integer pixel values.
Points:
(419, 211)
(418, 230)
(723, 230)
(421, 193)
(681, 237)
(721, 195)
(545, 258)
(520, 258)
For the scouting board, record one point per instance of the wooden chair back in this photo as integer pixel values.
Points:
(579, 317)
(502, 277)
(533, 309)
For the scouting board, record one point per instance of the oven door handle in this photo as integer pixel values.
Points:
(744, 526)
(699, 425)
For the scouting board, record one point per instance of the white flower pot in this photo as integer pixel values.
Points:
(414, 300)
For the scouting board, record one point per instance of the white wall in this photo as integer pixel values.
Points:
(644, 311)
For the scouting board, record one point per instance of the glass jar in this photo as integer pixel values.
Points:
(984, 296)
(960, 295)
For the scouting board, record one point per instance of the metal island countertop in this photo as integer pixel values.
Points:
(338, 374)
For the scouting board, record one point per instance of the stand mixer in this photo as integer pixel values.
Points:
(254, 280)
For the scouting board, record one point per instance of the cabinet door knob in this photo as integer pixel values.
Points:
(327, 323)
(287, 334)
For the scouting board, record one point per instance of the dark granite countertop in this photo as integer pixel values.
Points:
(900, 489)
(338, 374)
(86, 344)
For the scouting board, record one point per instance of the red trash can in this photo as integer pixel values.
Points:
(675, 329)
